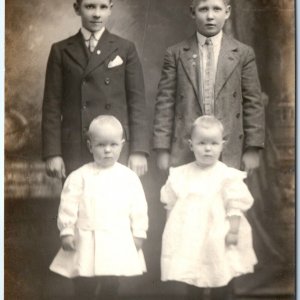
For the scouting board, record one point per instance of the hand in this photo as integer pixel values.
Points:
(250, 160)
(138, 243)
(68, 242)
(55, 167)
(163, 160)
(138, 163)
(231, 239)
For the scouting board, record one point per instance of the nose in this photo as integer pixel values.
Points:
(207, 147)
(210, 14)
(107, 149)
(97, 13)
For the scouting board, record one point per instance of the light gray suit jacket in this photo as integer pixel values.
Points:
(238, 100)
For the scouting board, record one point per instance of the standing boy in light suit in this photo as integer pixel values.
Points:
(209, 74)
(92, 73)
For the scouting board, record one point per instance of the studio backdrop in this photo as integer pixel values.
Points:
(32, 199)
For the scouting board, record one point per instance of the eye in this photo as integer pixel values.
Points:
(217, 8)
(114, 144)
(90, 6)
(203, 9)
(103, 6)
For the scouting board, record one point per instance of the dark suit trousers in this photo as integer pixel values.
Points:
(96, 288)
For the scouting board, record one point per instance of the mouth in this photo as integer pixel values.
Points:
(210, 25)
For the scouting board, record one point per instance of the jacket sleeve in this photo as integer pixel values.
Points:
(253, 106)
(51, 110)
(165, 103)
(135, 94)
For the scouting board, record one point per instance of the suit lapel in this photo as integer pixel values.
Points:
(191, 64)
(107, 44)
(77, 50)
(227, 62)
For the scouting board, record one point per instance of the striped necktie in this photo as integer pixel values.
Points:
(208, 95)
(92, 43)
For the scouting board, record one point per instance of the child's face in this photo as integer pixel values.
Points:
(106, 145)
(207, 144)
(94, 13)
(210, 16)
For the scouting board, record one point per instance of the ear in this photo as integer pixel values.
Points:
(191, 144)
(76, 8)
(89, 145)
(122, 142)
(228, 12)
(192, 12)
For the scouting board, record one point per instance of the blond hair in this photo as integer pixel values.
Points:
(101, 121)
(207, 122)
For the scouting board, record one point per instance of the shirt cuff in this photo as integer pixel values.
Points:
(139, 234)
(67, 231)
(234, 212)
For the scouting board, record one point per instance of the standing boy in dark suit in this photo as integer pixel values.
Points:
(209, 74)
(91, 73)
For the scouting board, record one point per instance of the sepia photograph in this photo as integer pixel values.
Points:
(149, 150)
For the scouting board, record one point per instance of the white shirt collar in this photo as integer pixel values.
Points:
(87, 34)
(216, 39)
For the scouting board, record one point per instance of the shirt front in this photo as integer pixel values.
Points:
(87, 35)
(216, 42)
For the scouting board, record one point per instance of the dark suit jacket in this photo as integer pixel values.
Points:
(238, 101)
(80, 86)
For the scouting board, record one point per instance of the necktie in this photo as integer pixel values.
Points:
(92, 43)
(208, 88)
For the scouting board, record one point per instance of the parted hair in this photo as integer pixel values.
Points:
(79, 1)
(194, 3)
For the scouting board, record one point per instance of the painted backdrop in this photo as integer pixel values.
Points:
(31, 199)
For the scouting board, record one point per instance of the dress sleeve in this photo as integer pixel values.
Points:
(138, 210)
(237, 197)
(167, 193)
(69, 203)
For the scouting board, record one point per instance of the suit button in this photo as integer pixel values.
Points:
(241, 136)
(107, 80)
(237, 115)
(107, 106)
(234, 94)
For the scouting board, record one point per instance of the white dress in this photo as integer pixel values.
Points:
(103, 208)
(198, 203)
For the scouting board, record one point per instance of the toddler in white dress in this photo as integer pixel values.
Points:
(102, 218)
(207, 240)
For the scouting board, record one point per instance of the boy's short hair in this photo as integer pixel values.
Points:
(207, 122)
(79, 1)
(101, 121)
(194, 3)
